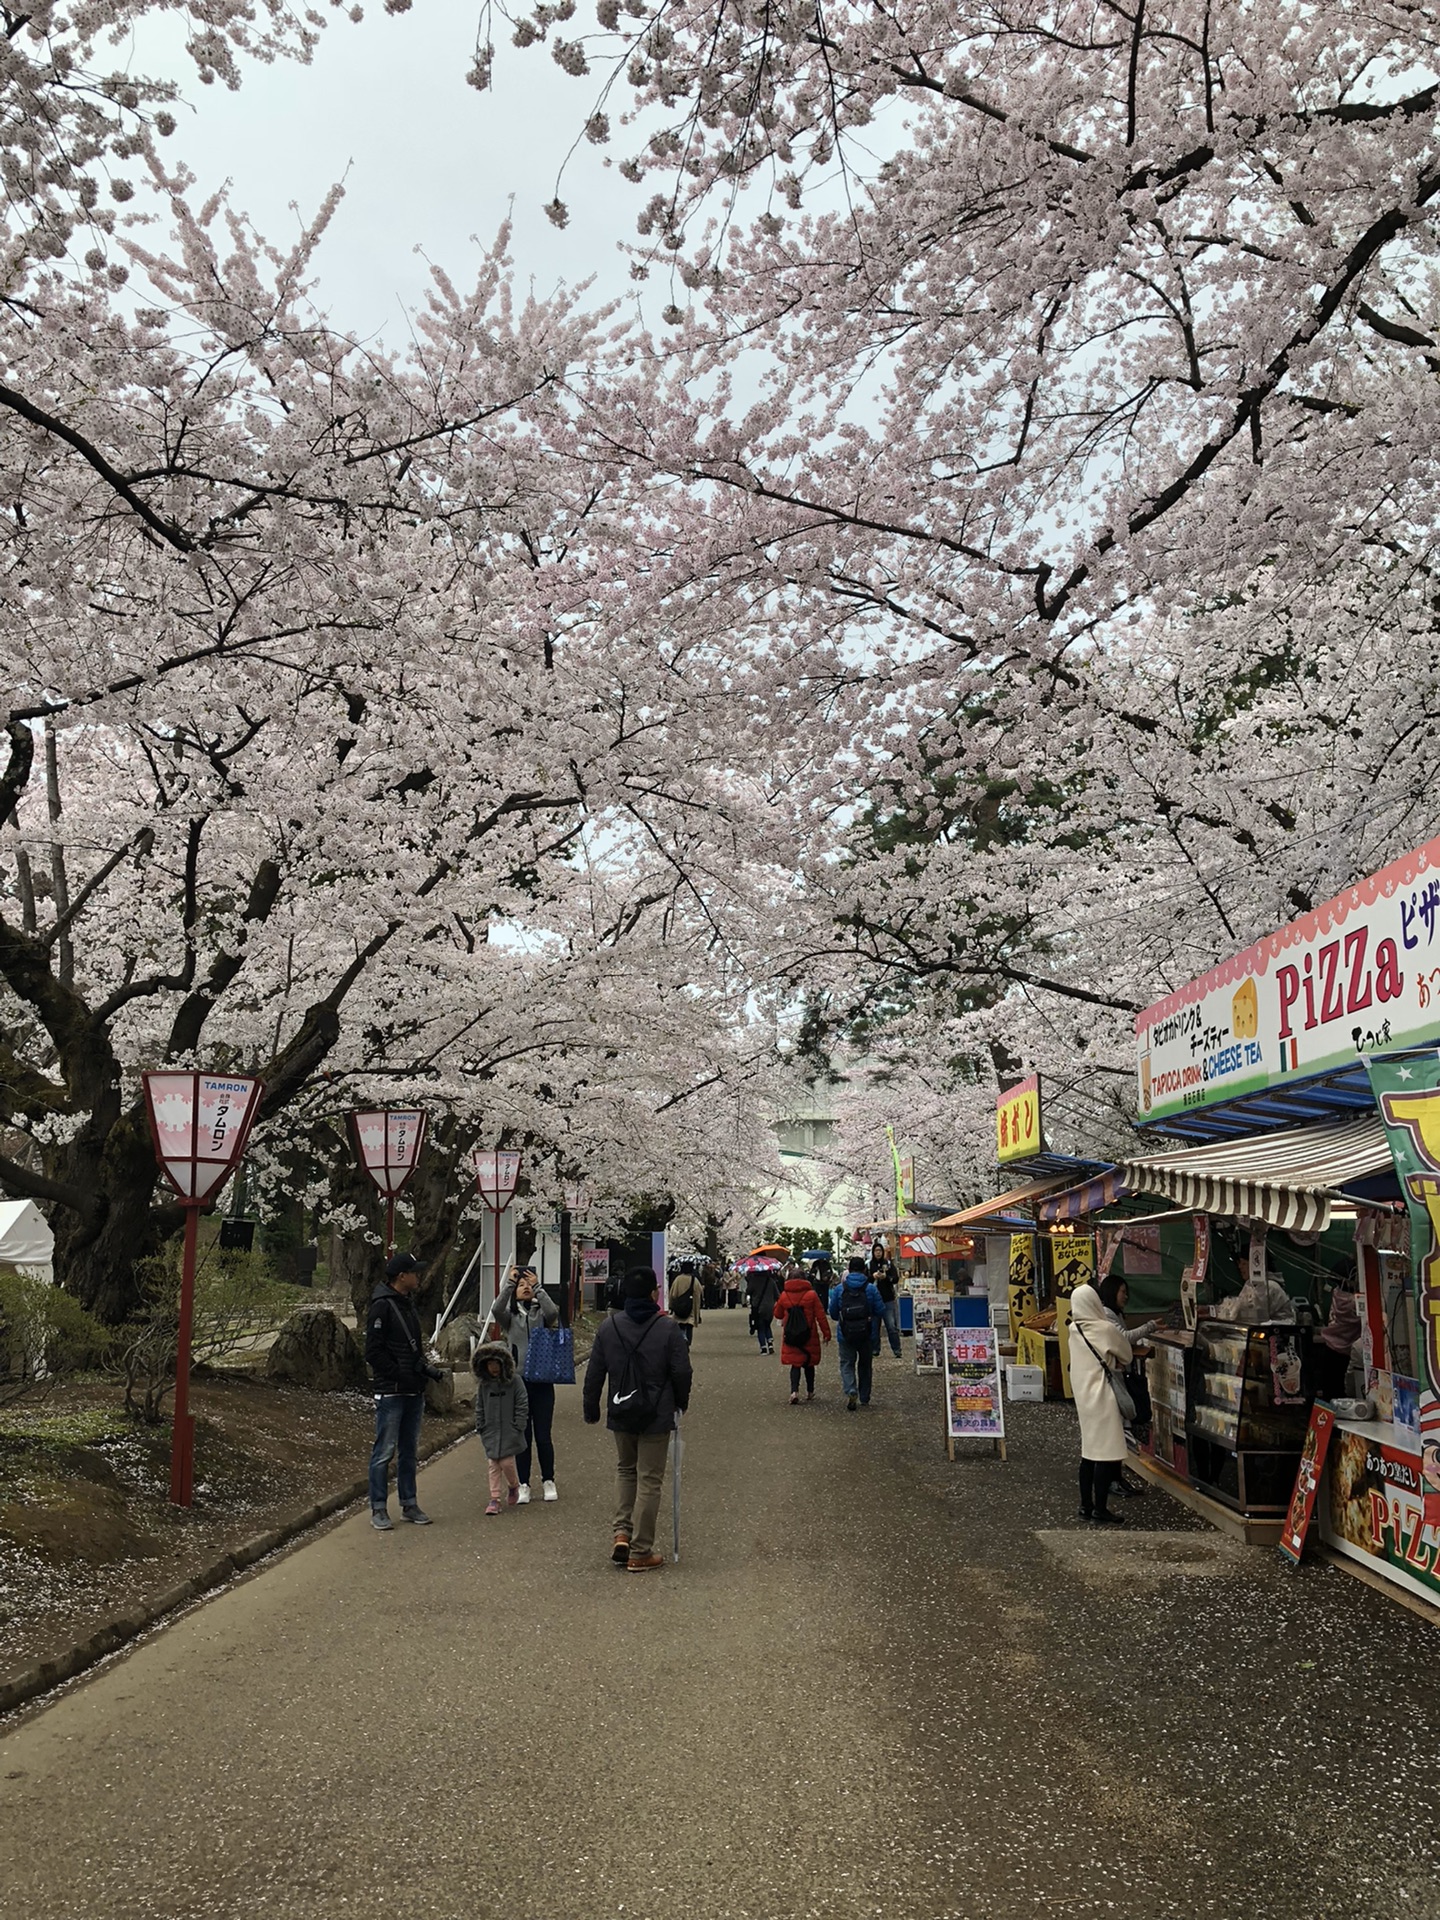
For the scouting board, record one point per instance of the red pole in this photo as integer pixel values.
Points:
(182, 1433)
(495, 1213)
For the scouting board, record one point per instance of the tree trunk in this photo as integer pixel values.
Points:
(97, 1246)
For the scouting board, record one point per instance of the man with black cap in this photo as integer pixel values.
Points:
(399, 1368)
(645, 1357)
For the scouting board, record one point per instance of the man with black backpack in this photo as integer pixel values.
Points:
(644, 1356)
(856, 1309)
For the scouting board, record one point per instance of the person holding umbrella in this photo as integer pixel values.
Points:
(762, 1284)
(642, 1355)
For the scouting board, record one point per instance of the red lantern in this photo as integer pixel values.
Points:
(199, 1123)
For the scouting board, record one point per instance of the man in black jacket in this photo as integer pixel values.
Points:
(395, 1353)
(643, 1354)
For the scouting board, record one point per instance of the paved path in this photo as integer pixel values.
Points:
(877, 1684)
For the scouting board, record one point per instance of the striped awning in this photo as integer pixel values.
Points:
(1287, 1179)
(1003, 1203)
(1089, 1197)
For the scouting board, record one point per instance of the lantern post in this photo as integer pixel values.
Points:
(388, 1142)
(496, 1175)
(199, 1123)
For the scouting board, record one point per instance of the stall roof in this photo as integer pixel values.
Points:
(1289, 1179)
(1004, 1203)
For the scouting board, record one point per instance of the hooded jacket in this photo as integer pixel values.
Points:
(798, 1292)
(501, 1406)
(394, 1347)
(1098, 1348)
(664, 1363)
(854, 1283)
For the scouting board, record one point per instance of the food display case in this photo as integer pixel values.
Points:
(1246, 1421)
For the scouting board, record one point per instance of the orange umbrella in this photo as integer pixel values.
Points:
(770, 1247)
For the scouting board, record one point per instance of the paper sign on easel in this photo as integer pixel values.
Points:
(974, 1404)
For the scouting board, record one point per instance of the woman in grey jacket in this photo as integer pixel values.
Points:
(523, 1307)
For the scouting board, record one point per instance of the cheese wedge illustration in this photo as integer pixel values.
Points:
(1245, 1011)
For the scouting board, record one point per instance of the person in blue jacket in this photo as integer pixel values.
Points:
(856, 1311)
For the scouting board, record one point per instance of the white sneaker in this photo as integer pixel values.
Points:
(550, 1493)
(524, 1499)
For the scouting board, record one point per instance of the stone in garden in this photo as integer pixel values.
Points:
(440, 1394)
(455, 1338)
(316, 1349)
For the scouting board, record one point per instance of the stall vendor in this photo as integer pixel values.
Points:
(1331, 1352)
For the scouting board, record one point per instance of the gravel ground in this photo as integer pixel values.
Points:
(877, 1684)
(86, 1525)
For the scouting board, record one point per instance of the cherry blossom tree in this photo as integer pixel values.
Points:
(1072, 369)
(325, 671)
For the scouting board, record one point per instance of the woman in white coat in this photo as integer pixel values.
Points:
(1098, 1349)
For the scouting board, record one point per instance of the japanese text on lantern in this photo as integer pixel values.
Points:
(1017, 1121)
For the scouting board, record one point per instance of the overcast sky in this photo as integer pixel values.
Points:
(430, 161)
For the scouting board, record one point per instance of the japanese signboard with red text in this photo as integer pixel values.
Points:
(1017, 1121)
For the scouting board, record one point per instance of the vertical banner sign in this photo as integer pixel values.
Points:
(1074, 1258)
(1307, 1482)
(1017, 1121)
(660, 1264)
(1256, 1268)
(1022, 1280)
(1202, 1248)
(1110, 1242)
(1408, 1093)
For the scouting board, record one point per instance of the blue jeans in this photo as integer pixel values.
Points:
(855, 1365)
(890, 1321)
(397, 1433)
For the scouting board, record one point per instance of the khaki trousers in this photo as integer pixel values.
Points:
(640, 1464)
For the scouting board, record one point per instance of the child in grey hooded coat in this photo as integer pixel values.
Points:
(501, 1410)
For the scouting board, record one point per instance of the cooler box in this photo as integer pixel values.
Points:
(1024, 1383)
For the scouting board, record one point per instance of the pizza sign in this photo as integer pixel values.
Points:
(1356, 976)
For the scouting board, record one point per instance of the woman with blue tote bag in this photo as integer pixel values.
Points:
(525, 1313)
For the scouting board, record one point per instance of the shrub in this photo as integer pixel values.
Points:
(238, 1302)
(44, 1335)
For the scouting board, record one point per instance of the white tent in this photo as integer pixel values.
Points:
(25, 1239)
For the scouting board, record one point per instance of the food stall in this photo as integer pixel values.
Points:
(1292, 1099)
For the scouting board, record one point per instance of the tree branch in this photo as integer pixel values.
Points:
(173, 536)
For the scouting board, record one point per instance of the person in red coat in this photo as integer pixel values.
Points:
(799, 1305)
